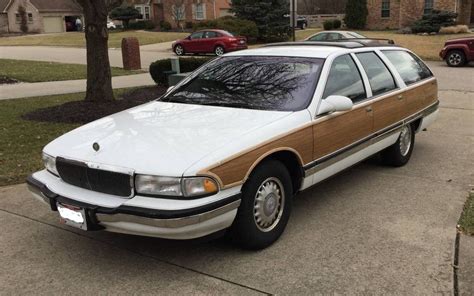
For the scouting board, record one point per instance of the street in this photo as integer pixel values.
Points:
(369, 230)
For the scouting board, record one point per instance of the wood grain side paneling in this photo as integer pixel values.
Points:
(235, 170)
(341, 131)
(420, 97)
(388, 111)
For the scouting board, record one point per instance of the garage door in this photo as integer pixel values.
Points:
(53, 24)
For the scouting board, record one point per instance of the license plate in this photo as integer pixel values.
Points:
(72, 216)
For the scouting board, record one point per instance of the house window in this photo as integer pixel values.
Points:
(200, 11)
(144, 10)
(17, 18)
(30, 17)
(385, 8)
(428, 7)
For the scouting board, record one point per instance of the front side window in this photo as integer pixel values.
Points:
(428, 9)
(211, 34)
(319, 37)
(385, 8)
(410, 67)
(345, 80)
(197, 35)
(252, 82)
(380, 78)
(334, 36)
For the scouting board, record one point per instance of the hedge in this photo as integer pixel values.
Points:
(141, 25)
(434, 21)
(158, 68)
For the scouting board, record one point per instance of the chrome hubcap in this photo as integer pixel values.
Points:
(455, 59)
(179, 50)
(219, 51)
(268, 205)
(405, 140)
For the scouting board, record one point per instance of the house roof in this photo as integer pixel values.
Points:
(55, 5)
(3, 5)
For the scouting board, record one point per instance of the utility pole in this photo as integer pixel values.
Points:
(293, 14)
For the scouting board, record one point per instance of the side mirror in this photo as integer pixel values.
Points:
(189, 37)
(335, 103)
(170, 89)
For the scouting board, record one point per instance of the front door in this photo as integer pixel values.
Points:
(194, 43)
(338, 132)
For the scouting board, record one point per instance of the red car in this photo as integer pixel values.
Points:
(209, 41)
(458, 52)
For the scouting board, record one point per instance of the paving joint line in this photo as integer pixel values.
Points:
(139, 254)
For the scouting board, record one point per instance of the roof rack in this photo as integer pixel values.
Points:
(344, 43)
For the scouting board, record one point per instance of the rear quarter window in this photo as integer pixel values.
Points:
(409, 66)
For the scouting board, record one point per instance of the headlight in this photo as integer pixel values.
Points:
(168, 186)
(155, 185)
(50, 164)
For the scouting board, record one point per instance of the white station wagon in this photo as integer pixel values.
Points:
(230, 145)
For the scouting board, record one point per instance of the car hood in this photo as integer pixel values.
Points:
(459, 40)
(159, 138)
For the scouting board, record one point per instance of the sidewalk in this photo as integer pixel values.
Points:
(23, 90)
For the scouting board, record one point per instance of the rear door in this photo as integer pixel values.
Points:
(209, 41)
(388, 105)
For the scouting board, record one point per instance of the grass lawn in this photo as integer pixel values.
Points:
(32, 71)
(427, 47)
(21, 141)
(77, 39)
(466, 222)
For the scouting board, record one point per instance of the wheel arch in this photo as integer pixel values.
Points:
(290, 158)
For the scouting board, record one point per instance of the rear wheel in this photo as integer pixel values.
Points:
(399, 153)
(455, 58)
(179, 50)
(265, 207)
(219, 50)
(303, 26)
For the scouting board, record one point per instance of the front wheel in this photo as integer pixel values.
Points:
(399, 153)
(455, 58)
(219, 50)
(179, 50)
(265, 207)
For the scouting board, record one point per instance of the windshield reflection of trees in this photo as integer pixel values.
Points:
(263, 83)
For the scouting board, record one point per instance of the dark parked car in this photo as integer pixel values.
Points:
(458, 52)
(209, 41)
(301, 22)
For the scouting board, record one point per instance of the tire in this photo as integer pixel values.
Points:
(456, 58)
(303, 26)
(257, 229)
(179, 50)
(219, 50)
(399, 153)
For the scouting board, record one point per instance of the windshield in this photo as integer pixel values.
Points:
(252, 82)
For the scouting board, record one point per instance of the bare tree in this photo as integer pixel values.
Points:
(178, 12)
(99, 78)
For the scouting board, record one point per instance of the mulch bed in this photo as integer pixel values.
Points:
(7, 80)
(84, 112)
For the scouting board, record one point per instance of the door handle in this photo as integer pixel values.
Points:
(368, 109)
(400, 97)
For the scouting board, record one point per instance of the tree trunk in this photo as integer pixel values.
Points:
(99, 77)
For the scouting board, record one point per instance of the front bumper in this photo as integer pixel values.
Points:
(187, 223)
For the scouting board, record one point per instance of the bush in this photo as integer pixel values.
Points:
(165, 26)
(337, 24)
(233, 25)
(434, 21)
(454, 29)
(141, 25)
(158, 68)
(328, 25)
(356, 14)
(125, 14)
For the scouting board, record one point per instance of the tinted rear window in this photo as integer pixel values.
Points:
(380, 78)
(264, 83)
(410, 67)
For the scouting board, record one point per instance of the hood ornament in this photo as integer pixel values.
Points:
(96, 146)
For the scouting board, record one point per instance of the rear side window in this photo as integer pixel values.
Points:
(211, 34)
(334, 36)
(380, 78)
(345, 80)
(319, 37)
(411, 68)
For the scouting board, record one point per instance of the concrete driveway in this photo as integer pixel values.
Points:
(370, 230)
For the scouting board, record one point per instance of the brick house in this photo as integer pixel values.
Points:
(394, 14)
(180, 11)
(43, 16)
